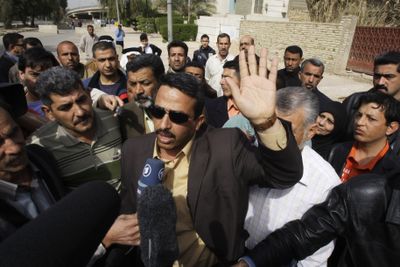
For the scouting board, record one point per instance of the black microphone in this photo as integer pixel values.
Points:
(157, 223)
(152, 174)
(68, 233)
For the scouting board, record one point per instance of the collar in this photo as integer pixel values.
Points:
(11, 56)
(186, 151)
(9, 190)
(231, 104)
(95, 80)
(371, 164)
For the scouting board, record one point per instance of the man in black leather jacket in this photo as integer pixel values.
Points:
(365, 211)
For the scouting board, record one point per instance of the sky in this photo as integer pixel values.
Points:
(81, 3)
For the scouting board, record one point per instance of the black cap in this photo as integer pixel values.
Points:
(12, 99)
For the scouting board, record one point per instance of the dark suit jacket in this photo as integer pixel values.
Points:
(222, 166)
(10, 218)
(132, 121)
(216, 111)
(5, 64)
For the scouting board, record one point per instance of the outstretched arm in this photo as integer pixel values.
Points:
(256, 98)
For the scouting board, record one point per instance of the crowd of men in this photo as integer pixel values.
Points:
(264, 169)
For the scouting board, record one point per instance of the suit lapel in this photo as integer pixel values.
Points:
(197, 167)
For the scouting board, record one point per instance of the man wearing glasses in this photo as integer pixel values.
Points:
(14, 47)
(208, 170)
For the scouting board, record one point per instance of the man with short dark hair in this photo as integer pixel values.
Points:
(146, 47)
(87, 41)
(85, 142)
(222, 108)
(386, 78)
(288, 76)
(108, 78)
(209, 171)
(197, 70)
(204, 52)
(143, 74)
(14, 47)
(13, 73)
(33, 62)
(377, 117)
(177, 56)
(215, 62)
(310, 74)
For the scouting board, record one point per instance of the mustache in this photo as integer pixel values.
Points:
(380, 86)
(143, 100)
(81, 119)
(165, 132)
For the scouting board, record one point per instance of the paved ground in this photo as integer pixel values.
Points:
(335, 86)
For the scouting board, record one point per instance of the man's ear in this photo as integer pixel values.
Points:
(48, 113)
(392, 127)
(199, 121)
(312, 131)
(21, 75)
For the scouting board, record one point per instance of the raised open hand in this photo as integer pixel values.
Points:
(256, 96)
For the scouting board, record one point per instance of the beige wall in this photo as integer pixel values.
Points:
(329, 42)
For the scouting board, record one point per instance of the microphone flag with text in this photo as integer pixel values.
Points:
(157, 218)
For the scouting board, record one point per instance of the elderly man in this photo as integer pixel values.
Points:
(270, 209)
(144, 74)
(208, 172)
(22, 168)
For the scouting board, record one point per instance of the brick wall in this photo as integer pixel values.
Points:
(330, 42)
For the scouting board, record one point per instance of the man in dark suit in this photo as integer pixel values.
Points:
(221, 109)
(14, 47)
(29, 182)
(143, 75)
(209, 171)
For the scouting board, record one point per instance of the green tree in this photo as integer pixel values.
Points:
(25, 10)
(197, 7)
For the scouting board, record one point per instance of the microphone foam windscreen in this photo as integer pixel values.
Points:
(157, 224)
(68, 233)
(152, 174)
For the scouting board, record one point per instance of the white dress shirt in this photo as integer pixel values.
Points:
(214, 71)
(270, 209)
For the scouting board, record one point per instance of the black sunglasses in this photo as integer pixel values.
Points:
(175, 116)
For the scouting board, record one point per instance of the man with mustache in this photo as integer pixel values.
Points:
(215, 62)
(386, 78)
(363, 211)
(310, 74)
(68, 56)
(85, 142)
(143, 74)
(208, 171)
(109, 78)
(289, 76)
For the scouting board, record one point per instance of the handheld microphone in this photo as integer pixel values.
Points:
(152, 174)
(157, 223)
